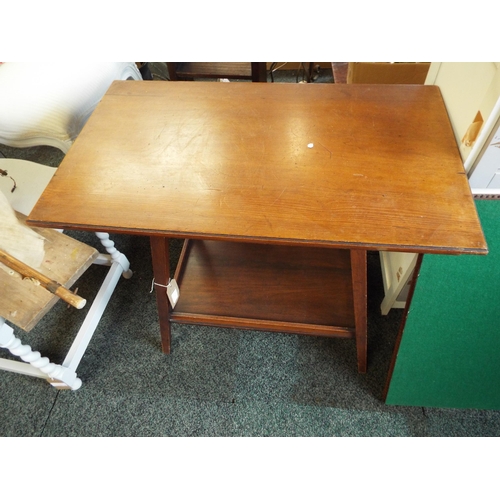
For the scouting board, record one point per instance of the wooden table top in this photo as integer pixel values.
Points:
(369, 166)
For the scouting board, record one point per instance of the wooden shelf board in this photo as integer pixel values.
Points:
(267, 287)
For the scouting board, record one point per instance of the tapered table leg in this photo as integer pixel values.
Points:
(359, 288)
(161, 272)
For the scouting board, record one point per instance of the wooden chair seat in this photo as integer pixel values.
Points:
(24, 303)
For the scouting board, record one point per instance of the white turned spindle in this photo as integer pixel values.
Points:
(34, 358)
(108, 244)
(116, 256)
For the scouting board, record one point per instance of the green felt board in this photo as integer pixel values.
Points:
(449, 355)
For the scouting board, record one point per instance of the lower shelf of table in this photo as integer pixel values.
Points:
(266, 287)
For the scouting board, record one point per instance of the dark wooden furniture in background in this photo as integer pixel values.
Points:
(280, 191)
(254, 71)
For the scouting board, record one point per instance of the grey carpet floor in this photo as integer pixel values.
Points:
(215, 382)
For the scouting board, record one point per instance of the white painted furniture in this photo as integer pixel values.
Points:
(483, 163)
(397, 269)
(48, 103)
(31, 179)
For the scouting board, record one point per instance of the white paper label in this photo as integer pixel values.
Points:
(173, 292)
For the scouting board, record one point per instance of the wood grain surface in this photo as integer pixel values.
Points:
(271, 283)
(348, 166)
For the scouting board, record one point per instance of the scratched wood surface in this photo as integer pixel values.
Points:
(369, 166)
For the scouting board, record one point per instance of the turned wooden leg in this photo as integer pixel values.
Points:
(359, 288)
(59, 376)
(161, 272)
(114, 255)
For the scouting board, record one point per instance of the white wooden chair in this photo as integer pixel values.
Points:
(47, 104)
(31, 179)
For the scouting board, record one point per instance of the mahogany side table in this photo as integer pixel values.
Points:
(278, 189)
